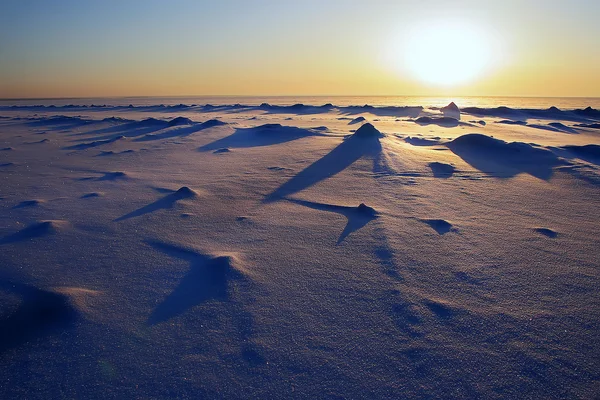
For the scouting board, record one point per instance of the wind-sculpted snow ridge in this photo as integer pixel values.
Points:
(498, 158)
(451, 110)
(588, 152)
(368, 131)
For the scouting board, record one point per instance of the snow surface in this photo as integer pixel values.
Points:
(299, 252)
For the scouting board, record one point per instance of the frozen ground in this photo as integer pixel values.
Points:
(299, 252)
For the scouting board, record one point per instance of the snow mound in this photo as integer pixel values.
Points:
(35, 230)
(439, 225)
(451, 111)
(185, 192)
(29, 203)
(113, 176)
(91, 195)
(367, 131)
(546, 232)
(441, 170)
(40, 313)
(366, 210)
(499, 158)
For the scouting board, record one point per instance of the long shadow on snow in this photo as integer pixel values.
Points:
(165, 203)
(207, 279)
(357, 216)
(341, 157)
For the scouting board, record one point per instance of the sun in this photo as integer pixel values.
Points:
(445, 53)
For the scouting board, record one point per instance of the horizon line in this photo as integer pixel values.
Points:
(290, 96)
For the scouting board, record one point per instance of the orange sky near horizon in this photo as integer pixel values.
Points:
(106, 49)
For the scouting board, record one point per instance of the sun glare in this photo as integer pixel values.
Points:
(445, 53)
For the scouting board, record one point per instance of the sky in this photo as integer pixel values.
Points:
(278, 47)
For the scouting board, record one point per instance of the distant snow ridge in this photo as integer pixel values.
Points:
(588, 111)
(180, 121)
(549, 113)
(593, 125)
(296, 108)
